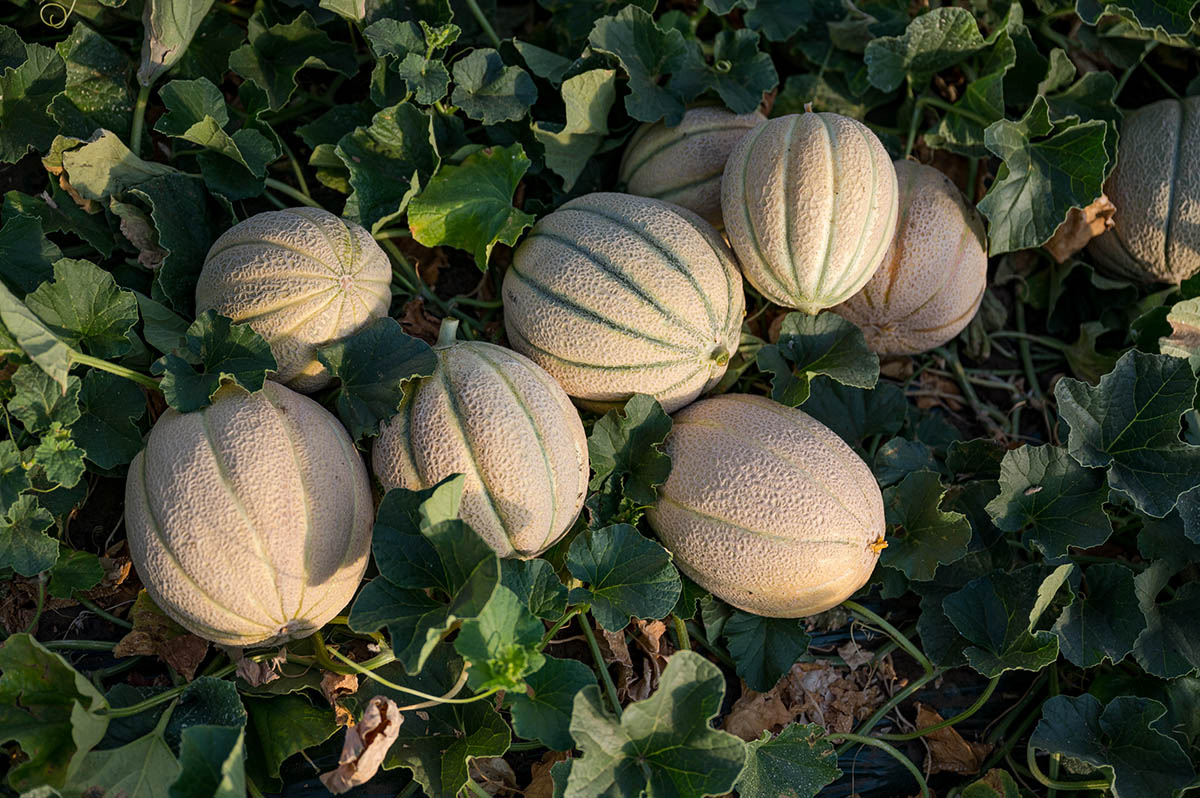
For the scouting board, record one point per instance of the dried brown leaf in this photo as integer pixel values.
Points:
(947, 750)
(336, 686)
(418, 322)
(854, 655)
(541, 783)
(155, 634)
(753, 713)
(1080, 227)
(494, 775)
(367, 743)
(256, 674)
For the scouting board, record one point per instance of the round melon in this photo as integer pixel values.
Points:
(810, 203)
(1155, 188)
(249, 521)
(767, 508)
(933, 276)
(496, 417)
(615, 295)
(300, 278)
(683, 164)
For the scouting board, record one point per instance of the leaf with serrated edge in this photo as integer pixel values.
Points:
(225, 352)
(809, 346)
(921, 536)
(625, 575)
(543, 711)
(763, 649)
(625, 450)
(797, 763)
(1105, 621)
(85, 308)
(536, 585)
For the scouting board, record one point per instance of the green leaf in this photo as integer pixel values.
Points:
(647, 53)
(84, 308)
(14, 478)
(49, 709)
(374, 366)
(223, 352)
(900, 457)
(28, 84)
(487, 90)
(1173, 17)
(982, 103)
(74, 570)
(395, 38)
(996, 784)
(97, 93)
(932, 42)
(810, 346)
(389, 163)
(1060, 502)
(1169, 645)
(59, 458)
(764, 649)
(276, 53)
(588, 97)
(542, 711)
(536, 585)
(855, 414)
(211, 763)
(469, 206)
(662, 745)
(26, 255)
(144, 768)
(1129, 424)
(170, 26)
(35, 339)
(165, 330)
(38, 402)
(741, 72)
(279, 727)
(626, 575)
(427, 78)
(107, 430)
(501, 643)
(1123, 739)
(1105, 621)
(999, 613)
(544, 63)
(421, 547)
(1041, 178)
(24, 545)
(625, 450)
(798, 763)
(778, 20)
(921, 536)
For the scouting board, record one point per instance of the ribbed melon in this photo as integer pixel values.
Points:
(933, 276)
(300, 278)
(767, 508)
(615, 295)
(683, 164)
(1155, 188)
(249, 521)
(809, 202)
(496, 417)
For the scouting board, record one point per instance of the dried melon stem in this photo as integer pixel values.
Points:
(447, 333)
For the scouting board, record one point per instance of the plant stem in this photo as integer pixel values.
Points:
(139, 120)
(284, 188)
(892, 751)
(895, 701)
(161, 698)
(393, 232)
(296, 170)
(892, 632)
(488, 30)
(322, 652)
(968, 712)
(41, 604)
(560, 623)
(1036, 772)
(478, 303)
(80, 645)
(938, 102)
(681, 632)
(108, 616)
(478, 791)
(432, 699)
(113, 368)
(695, 634)
(530, 745)
(605, 676)
(1159, 80)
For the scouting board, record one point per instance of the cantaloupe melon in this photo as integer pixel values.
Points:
(249, 521)
(683, 164)
(767, 508)
(300, 278)
(933, 276)
(615, 295)
(809, 202)
(1155, 188)
(496, 417)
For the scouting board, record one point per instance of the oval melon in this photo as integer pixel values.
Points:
(683, 164)
(809, 202)
(300, 278)
(767, 508)
(1155, 188)
(249, 521)
(932, 279)
(615, 295)
(496, 417)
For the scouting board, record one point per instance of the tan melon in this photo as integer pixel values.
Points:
(683, 164)
(494, 416)
(249, 521)
(615, 295)
(810, 203)
(1155, 188)
(932, 279)
(767, 508)
(300, 278)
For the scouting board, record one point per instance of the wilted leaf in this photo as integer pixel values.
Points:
(1080, 227)
(367, 743)
(154, 634)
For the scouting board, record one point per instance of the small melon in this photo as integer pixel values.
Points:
(300, 278)
(933, 276)
(767, 508)
(810, 203)
(249, 521)
(1155, 188)
(683, 164)
(615, 295)
(498, 418)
